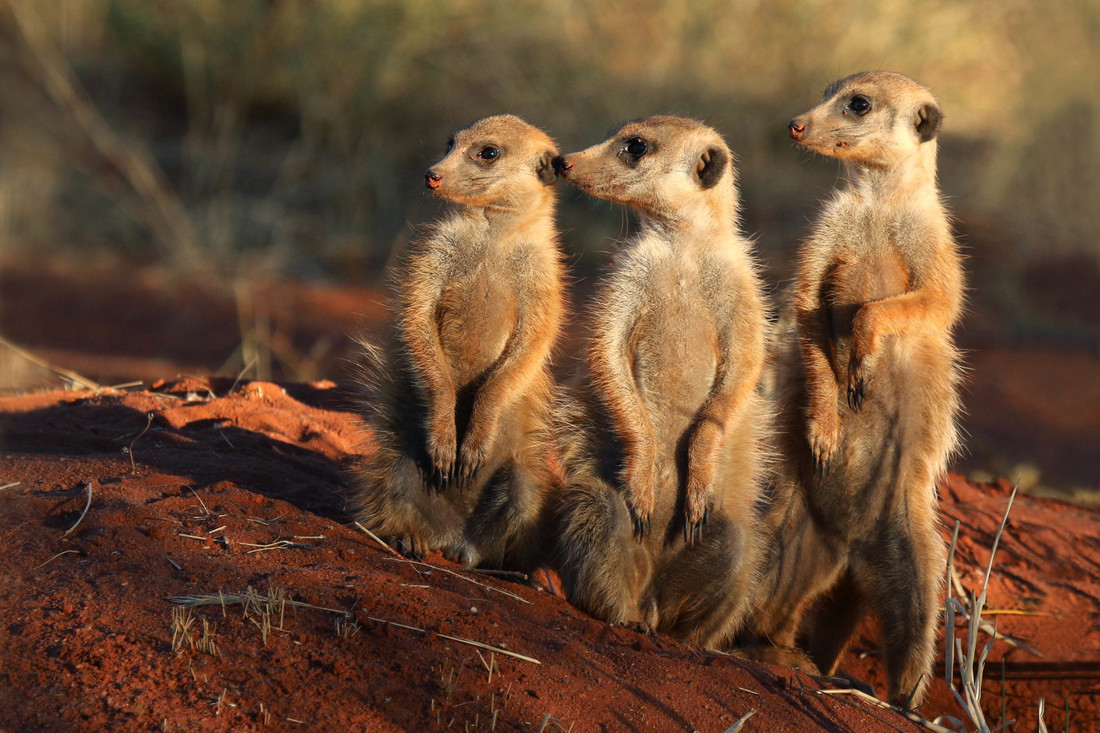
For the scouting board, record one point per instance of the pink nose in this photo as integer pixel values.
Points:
(796, 129)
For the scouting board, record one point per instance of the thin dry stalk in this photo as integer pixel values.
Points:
(490, 665)
(63, 552)
(871, 700)
(971, 661)
(87, 506)
(741, 722)
(206, 643)
(377, 539)
(161, 209)
(75, 379)
(182, 620)
(463, 577)
(251, 597)
(130, 450)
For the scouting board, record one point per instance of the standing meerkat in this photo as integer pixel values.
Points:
(663, 435)
(870, 389)
(461, 422)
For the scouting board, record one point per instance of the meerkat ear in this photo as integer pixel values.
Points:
(710, 167)
(929, 118)
(545, 167)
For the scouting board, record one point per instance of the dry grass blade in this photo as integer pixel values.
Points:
(87, 506)
(462, 577)
(988, 627)
(971, 662)
(148, 421)
(908, 714)
(182, 620)
(11, 485)
(1042, 726)
(741, 722)
(63, 552)
(250, 598)
(378, 539)
(72, 376)
(459, 639)
(162, 210)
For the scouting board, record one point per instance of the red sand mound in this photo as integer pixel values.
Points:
(200, 487)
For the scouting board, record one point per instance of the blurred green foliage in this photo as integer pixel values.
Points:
(293, 132)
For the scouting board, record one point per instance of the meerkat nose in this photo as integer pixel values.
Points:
(796, 129)
(560, 165)
(432, 179)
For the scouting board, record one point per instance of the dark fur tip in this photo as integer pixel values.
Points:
(547, 167)
(929, 119)
(711, 166)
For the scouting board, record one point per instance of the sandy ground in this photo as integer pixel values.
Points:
(200, 487)
(235, 486)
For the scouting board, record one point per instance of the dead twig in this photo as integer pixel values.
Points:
(871, 700)
(63, 552)
(462, 577)
(130, 450)
(377, 539)
(72, 376)
(249, 598)
(88, 486)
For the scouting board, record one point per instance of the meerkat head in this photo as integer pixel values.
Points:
(665, 166)
(495, 161)
(875, 118)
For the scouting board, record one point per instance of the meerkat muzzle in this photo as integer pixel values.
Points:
(561, 165)
(433, 180)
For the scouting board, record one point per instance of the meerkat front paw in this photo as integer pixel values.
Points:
(823, 434)
(865, 343)
(858, 379)
(638, 477)
(697, 508)
(474, 452)
(442, 449)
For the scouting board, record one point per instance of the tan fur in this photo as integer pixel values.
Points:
(464, 407)
(663, 435)
(867, 390)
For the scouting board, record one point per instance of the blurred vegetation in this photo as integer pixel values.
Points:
(289, 136)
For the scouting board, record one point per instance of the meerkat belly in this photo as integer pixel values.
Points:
(675, 363)
(855, 282)
(475, 321)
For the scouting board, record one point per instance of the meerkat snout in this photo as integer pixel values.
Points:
(796, 128)
(561, 165)
(433, 180)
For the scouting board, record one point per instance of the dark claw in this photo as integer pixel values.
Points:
(821, 468)
(641, 528)
(856, 395)
(706, 516)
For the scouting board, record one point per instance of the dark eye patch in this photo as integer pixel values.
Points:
(860, 104)
(488, 153)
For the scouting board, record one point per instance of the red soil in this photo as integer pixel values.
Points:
(194, 482)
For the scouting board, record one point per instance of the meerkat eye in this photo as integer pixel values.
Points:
(450, 145)
(488, 153)
(860, 105)
(635, 147)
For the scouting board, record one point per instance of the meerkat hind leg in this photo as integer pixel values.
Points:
(603, 569)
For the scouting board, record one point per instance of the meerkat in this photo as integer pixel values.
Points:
(663, 432)
(869, 390)
(461, 421)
